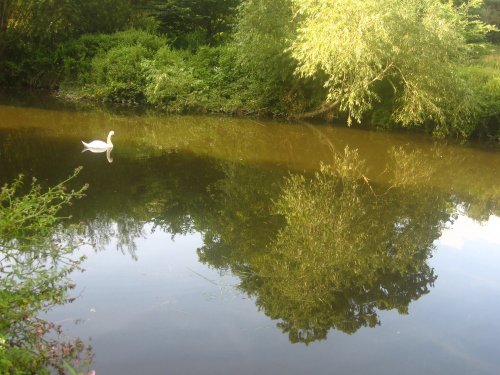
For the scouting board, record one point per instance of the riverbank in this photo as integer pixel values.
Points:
(447, 84)
(137, 69)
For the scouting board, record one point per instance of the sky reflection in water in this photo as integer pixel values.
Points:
(168, 313)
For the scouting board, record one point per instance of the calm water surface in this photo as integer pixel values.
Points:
(220, 246)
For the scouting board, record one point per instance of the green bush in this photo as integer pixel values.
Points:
(138, 67)
(32, 31)
(225, 83)
(77, 55)
(25, 63)
(109, 67)
(170, 81)
(484, 79)
(36, 259)
(117, 74)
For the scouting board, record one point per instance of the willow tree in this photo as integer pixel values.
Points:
(413, 47)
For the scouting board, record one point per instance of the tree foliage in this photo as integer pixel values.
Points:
(416, 46)
(190, 23)
(263, 36)
(56, 19)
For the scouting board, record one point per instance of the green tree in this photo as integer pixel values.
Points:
(262, 40)
(194, 22)
(56, 19)
(414, 48)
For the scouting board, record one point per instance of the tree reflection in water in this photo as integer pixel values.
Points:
(317, 252)
(328, 251)
(349, 248)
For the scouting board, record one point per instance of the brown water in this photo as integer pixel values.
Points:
(217, 246)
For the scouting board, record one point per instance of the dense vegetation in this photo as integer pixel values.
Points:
(385, 64)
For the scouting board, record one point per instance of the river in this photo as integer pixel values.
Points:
(218, 245)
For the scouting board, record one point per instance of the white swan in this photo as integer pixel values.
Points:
(97, 146)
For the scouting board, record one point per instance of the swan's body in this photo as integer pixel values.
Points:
(100, 146)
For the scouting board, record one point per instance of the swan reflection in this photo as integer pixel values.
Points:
(100, 150)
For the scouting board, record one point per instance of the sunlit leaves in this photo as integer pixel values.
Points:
(415, 45)
(262, 37)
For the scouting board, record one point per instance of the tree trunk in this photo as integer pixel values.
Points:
(326, 107)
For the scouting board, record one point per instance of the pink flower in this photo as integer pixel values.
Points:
(92, 372)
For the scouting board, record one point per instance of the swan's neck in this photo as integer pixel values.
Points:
(109, 140)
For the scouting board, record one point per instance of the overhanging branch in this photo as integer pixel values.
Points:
(326, 107)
